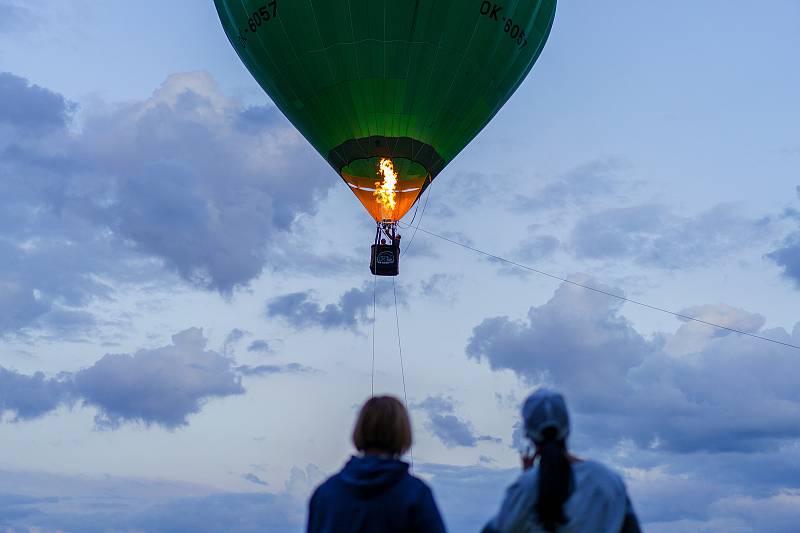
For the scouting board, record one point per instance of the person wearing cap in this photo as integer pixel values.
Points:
(562, 493)
(374, 493)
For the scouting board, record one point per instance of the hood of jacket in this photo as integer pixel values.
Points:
(371, 475)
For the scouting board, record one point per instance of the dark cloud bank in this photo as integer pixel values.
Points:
(47, 502)
(162, 386)
(188, 180)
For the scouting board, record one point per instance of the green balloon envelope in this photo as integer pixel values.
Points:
(410, 80)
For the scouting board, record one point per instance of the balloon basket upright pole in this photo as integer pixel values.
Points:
(385, 259)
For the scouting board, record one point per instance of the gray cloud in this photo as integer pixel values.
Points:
(578, 186)
(536, 248)
(189, 187)
(187, 181)
(441, 287)
(252, 478)
(301, 311)
(29, 109)
(47, 502)
(265, 370)
(260, 346)
(545, 346)
(787, 256)
(44, 279)
(29, 397)
(447, 427)
(162, 386)
(233, 338)
(731, 393)
(692, 336)
(652, 235)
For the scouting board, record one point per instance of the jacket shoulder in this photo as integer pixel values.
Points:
(598, 474)
(417, 483)
(330, 484)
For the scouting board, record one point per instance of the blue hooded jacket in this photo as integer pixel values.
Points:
(374, 494)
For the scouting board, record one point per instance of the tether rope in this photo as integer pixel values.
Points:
(427, 197)
(601, 291)
(374, 292)
(400, 351)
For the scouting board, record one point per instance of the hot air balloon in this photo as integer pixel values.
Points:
(388, 91)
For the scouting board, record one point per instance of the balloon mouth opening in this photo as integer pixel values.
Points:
(352, 152)
(387, 187)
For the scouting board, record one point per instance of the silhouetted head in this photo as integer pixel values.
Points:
(545, 409)
(383, 427)
(547, 425)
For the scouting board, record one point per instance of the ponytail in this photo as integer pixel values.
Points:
(555, 479)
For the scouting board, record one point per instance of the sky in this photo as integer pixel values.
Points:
(186, 333)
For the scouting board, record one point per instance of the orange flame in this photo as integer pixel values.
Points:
(385, 193)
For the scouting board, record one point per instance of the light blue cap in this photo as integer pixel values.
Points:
(545, 409)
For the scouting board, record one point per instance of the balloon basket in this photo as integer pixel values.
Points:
(385, 257)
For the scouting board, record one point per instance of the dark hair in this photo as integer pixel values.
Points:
(383, 426)
(555, 480)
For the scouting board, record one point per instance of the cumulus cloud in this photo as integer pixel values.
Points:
(447, 427)
(787, 256)
(193, 187)
(260, 346)
(162, 386)
(652, 235)
(354, 307)
(233, 338)
(695, 492)
(545, 347)
(536, 248)
(578, 186)
(441, 286)
(188, 180)
(45, 279)
(32, 396)
(691, 336)
(29, 109)
(732, 393)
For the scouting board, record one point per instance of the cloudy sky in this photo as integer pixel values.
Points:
(186, 332)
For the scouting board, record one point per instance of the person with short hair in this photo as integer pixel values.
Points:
(374, 491)
(562, 493)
